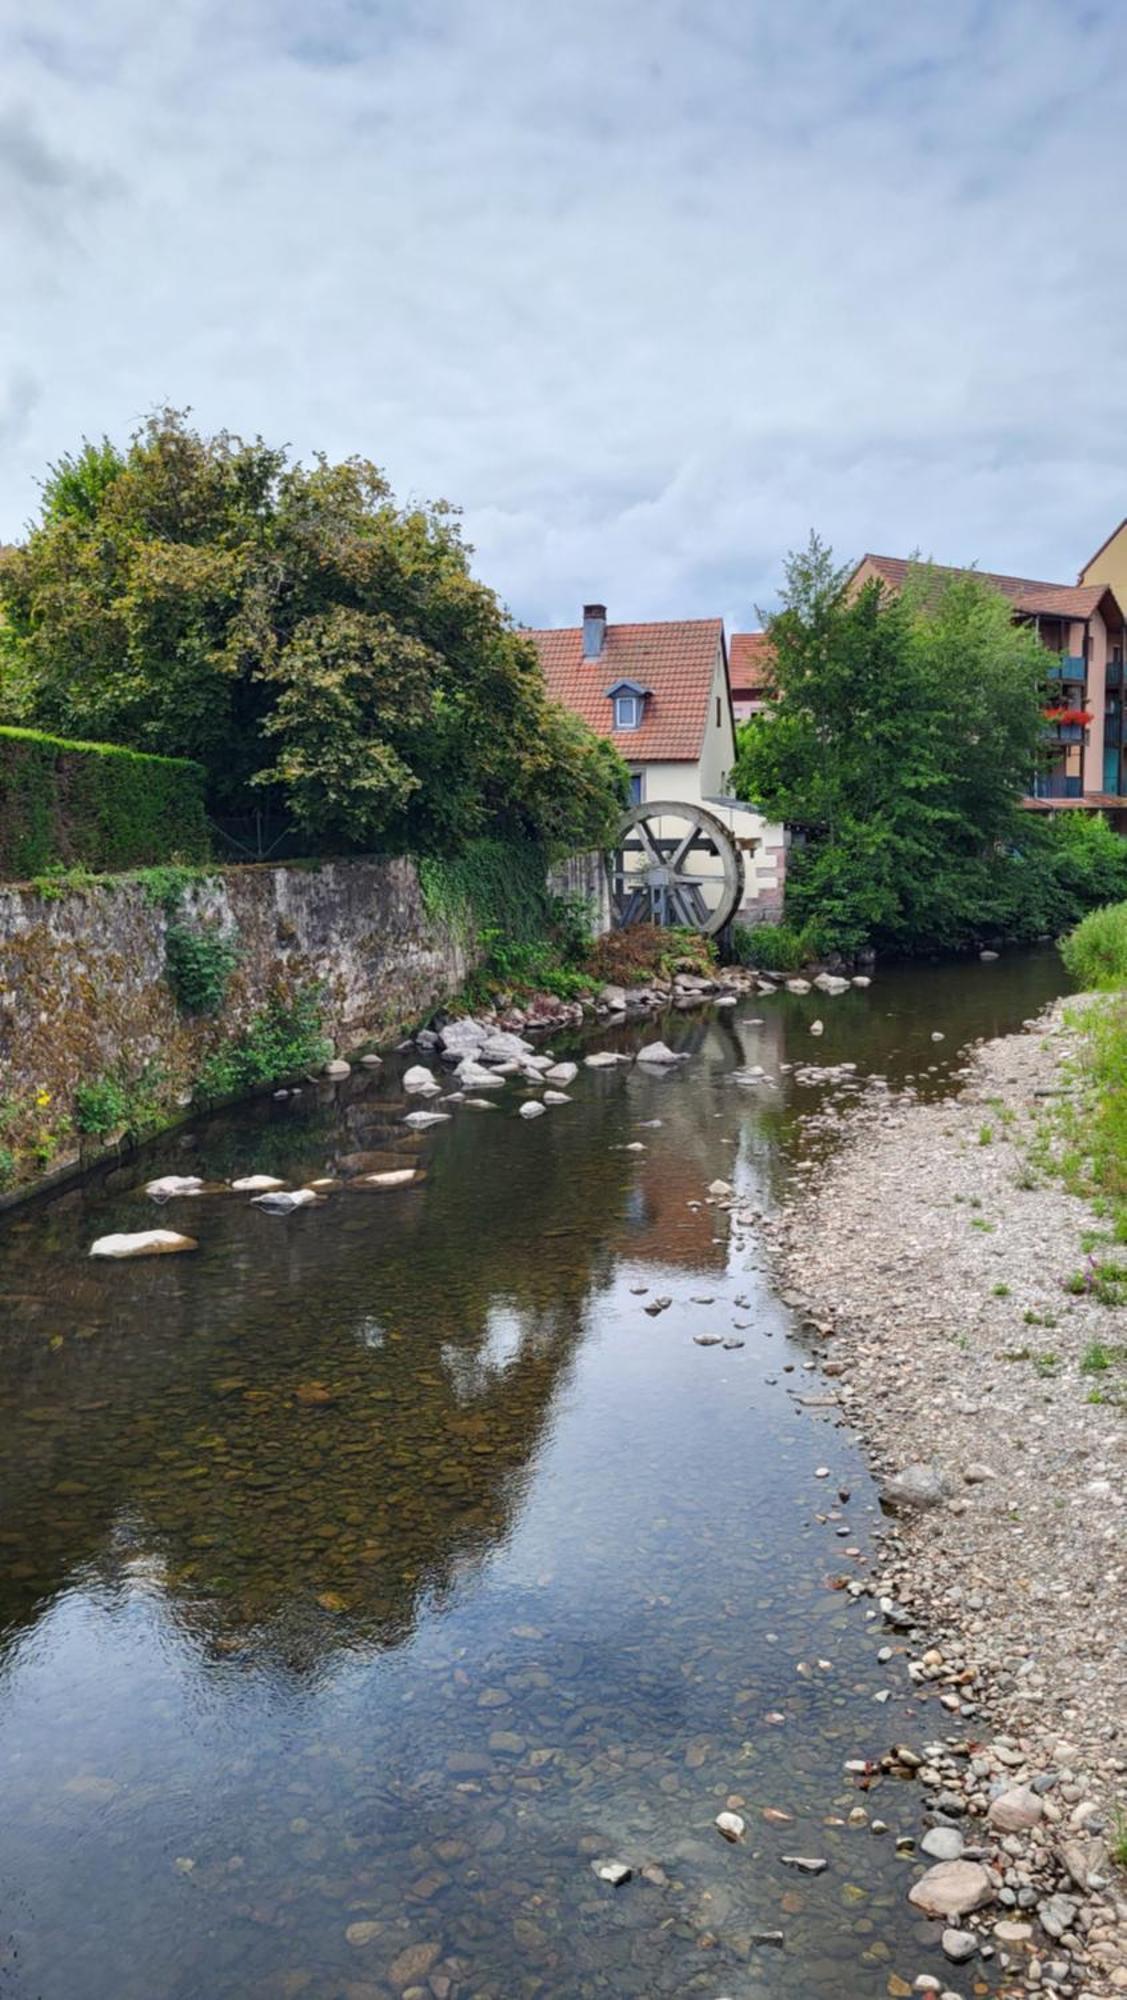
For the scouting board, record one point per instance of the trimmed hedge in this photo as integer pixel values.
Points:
(64, 803)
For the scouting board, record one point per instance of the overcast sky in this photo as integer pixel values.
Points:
(649, 287)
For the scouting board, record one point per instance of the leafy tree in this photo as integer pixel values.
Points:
(906, 728)
(308, 640)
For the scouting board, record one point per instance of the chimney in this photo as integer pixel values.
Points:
(594, 630)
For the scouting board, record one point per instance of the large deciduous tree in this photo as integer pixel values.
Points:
(906, 728)
(309, 640)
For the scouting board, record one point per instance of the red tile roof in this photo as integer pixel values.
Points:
(749, 663)
(1052, 600)
(676, 660)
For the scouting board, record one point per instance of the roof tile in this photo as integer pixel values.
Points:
(675, 659)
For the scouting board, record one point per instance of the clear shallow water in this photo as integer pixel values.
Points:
(383, 1565)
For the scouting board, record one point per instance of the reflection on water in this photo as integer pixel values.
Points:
(370, 1572)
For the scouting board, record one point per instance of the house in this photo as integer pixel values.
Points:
(1109, 564)
(749, 672)
(1083, 629)
(660, 693)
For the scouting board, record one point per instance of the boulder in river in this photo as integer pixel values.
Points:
(562, 1073)
(338, 1069)
(421, 1121)
(464, 1037)
(171, 1185)
(395, 1177)
(420, 1079)
(604, 1059)
(283, 1202)
(257, 1184)
(145, 1243)
(533, 1109)
(659, 1053)
(952, 1889)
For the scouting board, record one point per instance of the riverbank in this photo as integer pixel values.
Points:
(936, 1259)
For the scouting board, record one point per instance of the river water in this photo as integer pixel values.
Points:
(368, 1574)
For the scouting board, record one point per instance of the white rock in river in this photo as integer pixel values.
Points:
(604, 1059)
(831, 983)
(474, 1076)
(420, 1078)
(952, 1889)
(533, 1109)
(731, 1825)
(501, 1046)
(556, 1097)
(146, 1243)
(942, 1843)
(959, 1946)
(338, 1069)
(798, 986)
(562, 1073)
(614, 1872)
(465, 1037)
(719, 1188)
(659, 1053)
(419, 1121)
(282, 1203)
(395, 1177)
(817, 1027)
(257, 1184)
(173, 1184)
(861, 980)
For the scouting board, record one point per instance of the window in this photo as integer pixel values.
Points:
(718, 711)
(627, 711)
(635, 788)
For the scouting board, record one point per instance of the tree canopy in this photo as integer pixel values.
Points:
(906, 729)
(310, 641)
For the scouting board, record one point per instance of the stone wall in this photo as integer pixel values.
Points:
(585, 876)
(83, 992)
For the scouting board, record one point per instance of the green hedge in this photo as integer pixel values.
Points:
(64, 803)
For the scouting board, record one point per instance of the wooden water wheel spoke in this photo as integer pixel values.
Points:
(674, 863)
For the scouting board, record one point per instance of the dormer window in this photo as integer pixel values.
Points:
(628, 701)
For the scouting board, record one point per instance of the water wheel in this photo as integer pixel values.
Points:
(674, 863)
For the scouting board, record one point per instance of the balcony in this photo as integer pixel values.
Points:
(1070, 667)
(1114, 673)
(1054, 785)
(1064, 732)
(1113, 726)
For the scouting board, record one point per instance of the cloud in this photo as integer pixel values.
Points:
(648, 288)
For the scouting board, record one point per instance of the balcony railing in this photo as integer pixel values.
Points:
(1070, 667)
(1064, 732)
(1113, 726)
(1115, 673)
(1053, 785)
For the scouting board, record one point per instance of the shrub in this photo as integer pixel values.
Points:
(100, 1107)
(1096, 951)
(772, 947)
(199, 962)
(282, 1040)
(639, 952)
(65, 803)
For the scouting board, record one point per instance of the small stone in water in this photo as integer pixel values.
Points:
(731, 1825)
(707, 1339)
(809, 1864)
(614, 1872)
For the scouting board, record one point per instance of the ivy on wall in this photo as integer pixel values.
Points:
(63, 803)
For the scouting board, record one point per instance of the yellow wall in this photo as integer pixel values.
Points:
(1110, 565)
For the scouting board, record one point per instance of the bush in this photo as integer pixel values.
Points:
(638, 952)
(65, 803)
(282, 1040)
(199, 962)
(772, 947)
(1096, 951)
(100, 1107)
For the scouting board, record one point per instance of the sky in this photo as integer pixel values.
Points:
(650, 288)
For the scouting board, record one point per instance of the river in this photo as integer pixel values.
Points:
(372, 1572)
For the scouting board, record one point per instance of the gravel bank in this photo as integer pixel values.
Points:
(936, 1263)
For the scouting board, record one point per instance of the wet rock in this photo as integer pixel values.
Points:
(533, 1109)
(338, 1069)
(919, 1485)
(1010, 1931)
(798, 986)
(394, 1177)
(556, 1097)
(952, 1889)
(708, 1340)
(720, 1189)
(604, 1059)
(171, 1185)
(731, 1825)
(776, 1938)
(257, 1184)
(659, 1054)
(1057, 1914)
(614, 1872)
(283, 1203)
(420, 1080)
(942, 1843)
(817, 1027)
(562, 1073)
(413, 1964)
(421, 1121)
(988, 957)
(959, 1946)
(807, 1864)
(464, 1037)
(1016, 1810)
(362, 1934)
(657, 1306)
(144, 1243)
